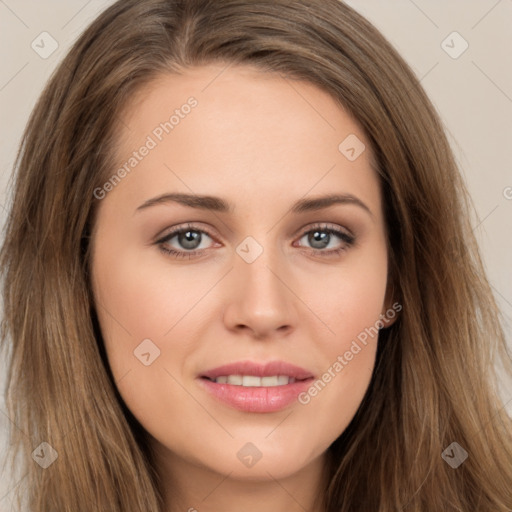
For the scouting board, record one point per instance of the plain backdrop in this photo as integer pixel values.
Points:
(468, 76)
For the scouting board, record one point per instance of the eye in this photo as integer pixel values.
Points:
(322, 238)
(188, 243)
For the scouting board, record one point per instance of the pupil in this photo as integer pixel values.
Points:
(190, 239)
(319, 240)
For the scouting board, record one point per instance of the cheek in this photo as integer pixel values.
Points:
(350, 305)
(347, 299)
(140, 315)
(138, 299)
(146, 307)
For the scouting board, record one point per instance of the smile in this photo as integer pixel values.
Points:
(250, 381)
(256, 387)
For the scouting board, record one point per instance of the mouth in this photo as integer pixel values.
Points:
(252, 381)
(255, 387)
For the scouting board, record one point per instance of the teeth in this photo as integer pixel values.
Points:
(250, 381)
(236, 380)
(270, 381)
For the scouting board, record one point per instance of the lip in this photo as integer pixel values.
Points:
(258, 370)
(257, 399)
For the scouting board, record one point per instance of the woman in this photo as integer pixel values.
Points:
(239, 265)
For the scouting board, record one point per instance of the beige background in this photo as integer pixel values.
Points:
(473, 94)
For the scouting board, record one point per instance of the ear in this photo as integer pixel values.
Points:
(391, 308)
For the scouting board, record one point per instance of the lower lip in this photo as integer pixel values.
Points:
(256, 399)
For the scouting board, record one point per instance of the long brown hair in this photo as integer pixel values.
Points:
(434, 381)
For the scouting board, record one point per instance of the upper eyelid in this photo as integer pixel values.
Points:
(323, 226)
(180, 229)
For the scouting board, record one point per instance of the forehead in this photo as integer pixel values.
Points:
(236, 130)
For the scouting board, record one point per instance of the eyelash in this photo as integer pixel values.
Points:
(348, 240)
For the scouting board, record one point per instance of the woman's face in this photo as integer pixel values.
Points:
(270, 282)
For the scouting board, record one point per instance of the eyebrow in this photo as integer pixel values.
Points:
(217, 204)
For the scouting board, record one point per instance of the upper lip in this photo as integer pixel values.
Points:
(258, 369)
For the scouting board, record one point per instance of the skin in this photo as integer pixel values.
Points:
(261, 142)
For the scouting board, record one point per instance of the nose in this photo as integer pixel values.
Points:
(259, 298)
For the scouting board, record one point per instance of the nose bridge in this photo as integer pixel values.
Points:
(258, 266)
(261, 300)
